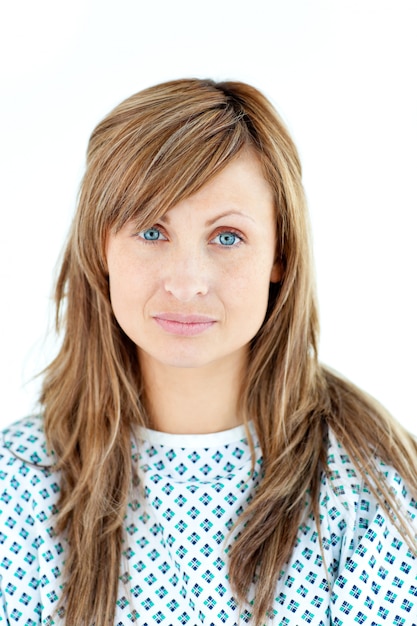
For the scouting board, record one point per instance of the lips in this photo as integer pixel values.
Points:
(184, 325)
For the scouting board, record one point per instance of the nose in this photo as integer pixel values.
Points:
(186, 275)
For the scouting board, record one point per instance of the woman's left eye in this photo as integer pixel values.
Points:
(227, 238)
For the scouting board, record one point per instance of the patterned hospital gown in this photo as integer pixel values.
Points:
(174, 565)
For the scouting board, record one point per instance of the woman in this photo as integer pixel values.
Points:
(194, 463)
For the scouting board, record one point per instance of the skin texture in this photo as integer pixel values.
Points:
(191, 293)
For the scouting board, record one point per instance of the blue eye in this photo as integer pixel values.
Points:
(227, 238)
(152, 234)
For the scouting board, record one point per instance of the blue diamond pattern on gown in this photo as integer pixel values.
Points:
(178, 528)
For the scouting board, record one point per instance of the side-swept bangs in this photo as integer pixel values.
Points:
(154, 149)
(163, 144)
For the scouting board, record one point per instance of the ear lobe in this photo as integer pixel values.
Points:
(277, 272)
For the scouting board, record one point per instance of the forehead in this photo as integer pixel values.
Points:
(241, 183)
(243, 171)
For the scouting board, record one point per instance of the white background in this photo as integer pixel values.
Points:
(343, 75)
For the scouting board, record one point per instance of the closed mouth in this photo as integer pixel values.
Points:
(184, 325)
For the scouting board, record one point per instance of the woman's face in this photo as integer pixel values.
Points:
(192, 290)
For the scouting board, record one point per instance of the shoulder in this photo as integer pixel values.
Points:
(25, 440)
(31, 559)
(26, 467)
(376, 571)
(352, 487)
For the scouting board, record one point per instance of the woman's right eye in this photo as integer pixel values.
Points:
(152, 234)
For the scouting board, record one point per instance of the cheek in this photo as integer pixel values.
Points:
(118, 301)
(127, 307)
(124, 290)
(248, 289)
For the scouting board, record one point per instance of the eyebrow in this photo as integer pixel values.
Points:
(166, 220)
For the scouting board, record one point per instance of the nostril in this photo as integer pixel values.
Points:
(185, 287)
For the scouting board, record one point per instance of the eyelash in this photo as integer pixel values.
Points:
(230, 231)
(223, 231)
(155, 228)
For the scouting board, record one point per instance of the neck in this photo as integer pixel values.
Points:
(193, 400)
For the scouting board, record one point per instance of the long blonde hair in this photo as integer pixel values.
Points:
(153, 150)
